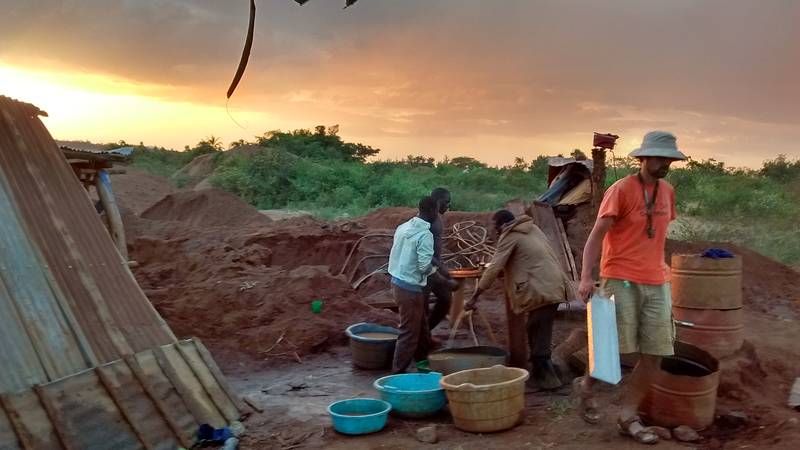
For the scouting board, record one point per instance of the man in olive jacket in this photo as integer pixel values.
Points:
(534, 284)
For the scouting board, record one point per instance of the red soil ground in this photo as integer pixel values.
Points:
(217, 269)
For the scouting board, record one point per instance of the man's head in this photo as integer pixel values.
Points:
(656, 166)
(659, 149)
(428, 208)
(442, 196)
(501, 219)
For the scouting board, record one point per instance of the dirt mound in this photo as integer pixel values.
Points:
(207, 208)
(768, 286)
(136, 190)
(245, 288)
(197, 170)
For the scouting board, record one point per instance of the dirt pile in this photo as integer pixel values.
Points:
(215, 268)
(136, 190)
(206, 208)
(198, 169)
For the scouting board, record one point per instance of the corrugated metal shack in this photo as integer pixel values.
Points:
(87, 360)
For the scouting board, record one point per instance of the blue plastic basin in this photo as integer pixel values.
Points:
(412, 394)
(359, 415)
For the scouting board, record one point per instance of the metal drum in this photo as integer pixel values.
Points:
(717, 331)
(684, 391)
(707, 302)
(706, 283)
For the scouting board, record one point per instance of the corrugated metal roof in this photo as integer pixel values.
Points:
(68, 275)
(68, 302)
(30, 301)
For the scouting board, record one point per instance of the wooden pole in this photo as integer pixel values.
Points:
(103, 185)
(598, 178)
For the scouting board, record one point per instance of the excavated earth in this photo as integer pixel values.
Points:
(217, 269)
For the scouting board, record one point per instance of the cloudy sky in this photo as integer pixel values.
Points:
(489, 79)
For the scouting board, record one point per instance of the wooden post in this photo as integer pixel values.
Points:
(598, 178)
(103, 185)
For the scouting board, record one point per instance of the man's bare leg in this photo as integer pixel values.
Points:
(634, 392)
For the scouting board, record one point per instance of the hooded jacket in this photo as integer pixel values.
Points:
(533, 276)
(412, 253)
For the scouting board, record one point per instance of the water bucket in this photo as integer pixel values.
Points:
(371, 345)
(684, 391)
(486, 400)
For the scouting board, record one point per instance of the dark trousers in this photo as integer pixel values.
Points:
(413, 342)
(540, 331)
(536, 332)
(444, 297)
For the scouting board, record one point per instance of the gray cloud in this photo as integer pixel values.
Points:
(447, 67)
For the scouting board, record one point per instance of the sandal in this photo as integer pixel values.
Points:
(588, 408)
(645, 435)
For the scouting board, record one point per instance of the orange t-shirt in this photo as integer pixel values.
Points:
(628, 254)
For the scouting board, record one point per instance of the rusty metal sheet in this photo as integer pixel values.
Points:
(59, 219)
(8, 439)
(85, 416)
(136, 406)
(33, 300)
(188, 386)
(30, 421)
(162, 390)
(20, 367)
(208, 380)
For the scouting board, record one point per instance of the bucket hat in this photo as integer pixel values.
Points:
(658, 143)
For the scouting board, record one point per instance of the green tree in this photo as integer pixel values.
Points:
(466, 162)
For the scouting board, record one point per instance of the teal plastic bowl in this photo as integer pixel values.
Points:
(359, 415)
(412, 394)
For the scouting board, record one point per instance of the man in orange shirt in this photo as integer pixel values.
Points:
(631, 229)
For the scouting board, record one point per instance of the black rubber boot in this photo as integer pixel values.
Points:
(544, 373)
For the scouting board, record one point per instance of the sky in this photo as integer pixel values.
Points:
(492, 80)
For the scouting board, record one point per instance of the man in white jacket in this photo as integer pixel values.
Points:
(410, 265)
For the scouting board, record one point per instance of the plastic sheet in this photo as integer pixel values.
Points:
(604, 362)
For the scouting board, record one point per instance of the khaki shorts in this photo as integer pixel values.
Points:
(644, 316)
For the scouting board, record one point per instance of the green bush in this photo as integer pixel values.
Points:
(319, 172)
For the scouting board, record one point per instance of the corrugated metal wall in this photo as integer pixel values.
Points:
(73, 295)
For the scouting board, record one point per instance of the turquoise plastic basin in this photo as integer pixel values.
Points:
(412, 394)
(359, 415)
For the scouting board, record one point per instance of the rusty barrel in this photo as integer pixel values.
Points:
(684, 391)
(706, 283)
(718, 331)
(707, 302)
